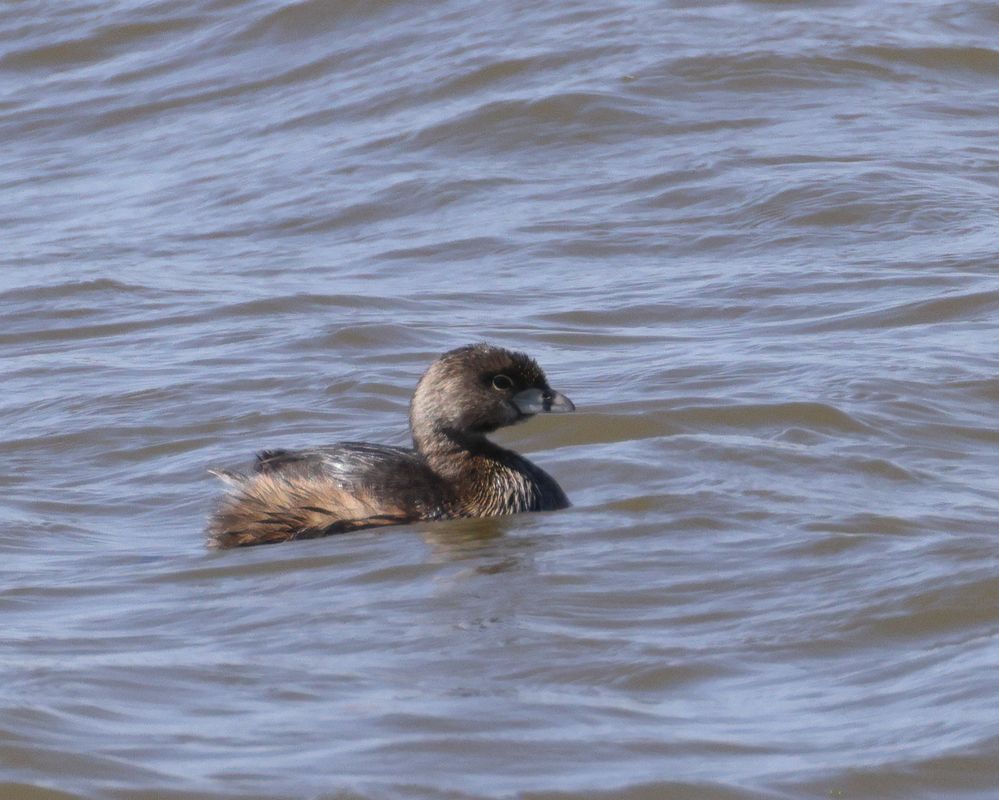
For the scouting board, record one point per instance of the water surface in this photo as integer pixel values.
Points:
(754, 242)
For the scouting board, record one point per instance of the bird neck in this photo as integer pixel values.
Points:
(486, 479)
(452, 453)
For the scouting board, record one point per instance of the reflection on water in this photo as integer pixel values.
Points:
(755, 243)
(457, 540)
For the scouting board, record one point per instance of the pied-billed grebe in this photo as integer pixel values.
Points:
(452, 471)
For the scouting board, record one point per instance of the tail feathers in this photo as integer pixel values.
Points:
(228, 477)
(264, 509)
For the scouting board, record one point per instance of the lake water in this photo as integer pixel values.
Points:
(755, 242)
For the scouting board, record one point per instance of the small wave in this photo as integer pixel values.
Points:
(772, 71)
(812, 416)
(70, 289)
(945, 608)
(967, 306)
(560, 119)
(304, 19)
(975, 60)
(859, 524)
(98, 45)
(966, 771)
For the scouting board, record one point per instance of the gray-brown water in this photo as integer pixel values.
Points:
(756, 243)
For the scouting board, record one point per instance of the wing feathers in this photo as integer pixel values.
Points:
(268, 508)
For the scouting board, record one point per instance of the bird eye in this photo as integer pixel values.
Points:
(502, 382)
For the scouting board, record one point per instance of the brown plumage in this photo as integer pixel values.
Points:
(453, 470)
